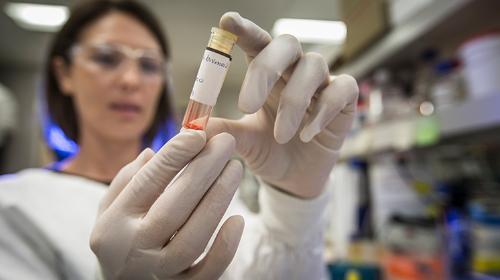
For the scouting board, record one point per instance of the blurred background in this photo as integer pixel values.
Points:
(416, 191)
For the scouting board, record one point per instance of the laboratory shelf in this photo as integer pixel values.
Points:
(443, 23)
(406, 133)
(469, 117)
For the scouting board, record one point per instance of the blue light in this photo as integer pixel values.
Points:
(62, 146)
(164, 134)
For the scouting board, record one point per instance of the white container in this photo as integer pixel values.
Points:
(481, 59)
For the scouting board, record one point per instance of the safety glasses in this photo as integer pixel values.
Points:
(113, 59)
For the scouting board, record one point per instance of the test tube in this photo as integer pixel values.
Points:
(209, 79)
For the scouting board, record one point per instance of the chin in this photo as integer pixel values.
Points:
(126, 133)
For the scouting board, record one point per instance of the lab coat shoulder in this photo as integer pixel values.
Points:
(45, 223)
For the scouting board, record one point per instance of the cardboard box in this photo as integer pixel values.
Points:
(366, 21)
(402, 10)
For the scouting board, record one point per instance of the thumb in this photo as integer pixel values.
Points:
(219, 125)
(237, 128)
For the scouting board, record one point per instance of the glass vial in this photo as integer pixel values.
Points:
(209, 80)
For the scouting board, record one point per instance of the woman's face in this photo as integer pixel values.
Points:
(115, 78)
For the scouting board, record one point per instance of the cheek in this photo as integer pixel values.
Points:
(151, 99)
(89, 99)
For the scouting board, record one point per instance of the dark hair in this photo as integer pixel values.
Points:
(60, 107)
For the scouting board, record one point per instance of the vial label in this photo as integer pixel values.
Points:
(210, 77)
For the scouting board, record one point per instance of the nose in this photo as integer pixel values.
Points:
(130, 78)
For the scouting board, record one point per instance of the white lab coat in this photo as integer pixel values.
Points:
(46, 219)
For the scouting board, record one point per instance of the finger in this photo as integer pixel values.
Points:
(265, 70)
(221, 253)
(192, 239)
(308, 76)
(251, 37)
(332, 115)
(123, 177)
(147, 184)
(177, 202)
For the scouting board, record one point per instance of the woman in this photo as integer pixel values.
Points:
(106, 89)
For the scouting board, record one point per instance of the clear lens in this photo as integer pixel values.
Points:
(107, 58)
(150, 66)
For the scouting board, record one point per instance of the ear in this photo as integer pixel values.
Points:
(63, 75)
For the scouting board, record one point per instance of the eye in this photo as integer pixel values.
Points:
(107, 58)
(150, 65)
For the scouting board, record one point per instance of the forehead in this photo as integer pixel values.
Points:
(119, 28)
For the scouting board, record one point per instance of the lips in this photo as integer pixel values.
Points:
(128, 109)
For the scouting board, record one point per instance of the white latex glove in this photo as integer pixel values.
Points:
(139, 215)
(298, 115)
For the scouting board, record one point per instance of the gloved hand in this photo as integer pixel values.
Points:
(297, 115)
(138, 216)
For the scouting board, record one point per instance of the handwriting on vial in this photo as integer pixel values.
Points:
(216, 62)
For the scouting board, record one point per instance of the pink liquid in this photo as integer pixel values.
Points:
(196, 116)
